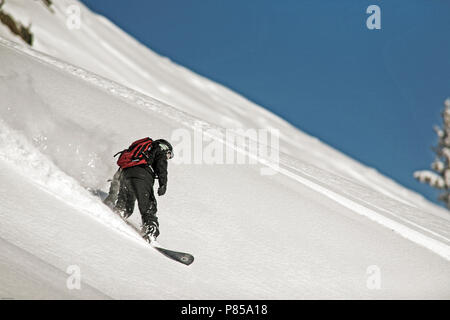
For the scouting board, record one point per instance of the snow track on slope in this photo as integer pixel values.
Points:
(31, 163)
(435, 236)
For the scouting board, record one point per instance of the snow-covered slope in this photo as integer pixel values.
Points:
(310, 231)
(101, 47)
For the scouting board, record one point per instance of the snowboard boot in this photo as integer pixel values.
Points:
(150, 232)
(109, 203)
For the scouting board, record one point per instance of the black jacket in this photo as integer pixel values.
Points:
(157, 160)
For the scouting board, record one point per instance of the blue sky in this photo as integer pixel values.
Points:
(373, 94)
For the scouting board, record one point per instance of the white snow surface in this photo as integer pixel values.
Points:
(315, 229)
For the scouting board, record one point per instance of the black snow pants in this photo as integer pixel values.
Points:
(137, 183)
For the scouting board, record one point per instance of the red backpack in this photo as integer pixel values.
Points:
(134, 155)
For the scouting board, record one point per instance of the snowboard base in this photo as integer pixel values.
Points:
(182, 257)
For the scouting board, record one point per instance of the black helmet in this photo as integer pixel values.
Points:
(165, 147)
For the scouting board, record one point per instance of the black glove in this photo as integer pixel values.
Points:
(162, 190)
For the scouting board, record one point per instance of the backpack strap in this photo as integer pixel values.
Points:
(120, 152)
(141, 150)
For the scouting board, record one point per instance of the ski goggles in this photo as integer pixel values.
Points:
(169, 155)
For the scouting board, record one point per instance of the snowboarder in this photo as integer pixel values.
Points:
(143, 162)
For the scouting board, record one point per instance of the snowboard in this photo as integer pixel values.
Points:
(181, 257)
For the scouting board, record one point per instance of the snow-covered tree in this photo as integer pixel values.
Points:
(439, 178)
